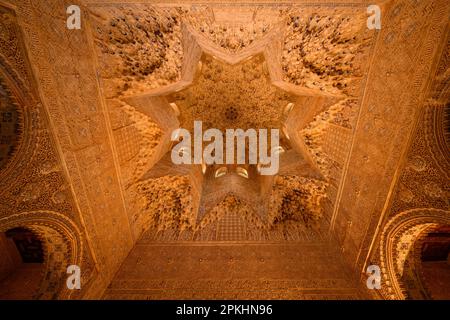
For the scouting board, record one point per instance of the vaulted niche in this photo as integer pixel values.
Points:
(22, 264)
(435, 262)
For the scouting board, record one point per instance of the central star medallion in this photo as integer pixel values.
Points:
(229, 91)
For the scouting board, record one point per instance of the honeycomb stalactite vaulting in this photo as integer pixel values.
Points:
(149, 135)
(247, 98)
(296, 200)
(242, 96)
(167, 203)
(228, 96)
(325, 52)
(236, 35)
(87, 129)
(141, 48)
(342, 114)
(233, 205)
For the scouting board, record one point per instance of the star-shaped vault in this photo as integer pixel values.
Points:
(230, 91)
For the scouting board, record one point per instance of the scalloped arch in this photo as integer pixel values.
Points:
(62, 244)
(405, 228)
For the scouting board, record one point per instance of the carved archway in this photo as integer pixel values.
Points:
(398, 239)
(62, 245)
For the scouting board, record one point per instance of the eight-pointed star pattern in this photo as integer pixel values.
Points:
(243, 90)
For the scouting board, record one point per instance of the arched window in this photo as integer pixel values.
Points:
(242, 172)
(203, 167)
(288, 108)
(221, 172)
(175, 108)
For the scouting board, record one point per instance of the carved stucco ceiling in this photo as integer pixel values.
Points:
(232, 96)
(256, 103)
(142, 46)
(146, 54)
(293, 201)
(235, 73)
